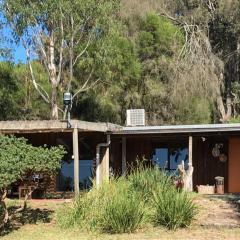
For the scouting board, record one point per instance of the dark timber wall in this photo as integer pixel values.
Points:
(207, 167)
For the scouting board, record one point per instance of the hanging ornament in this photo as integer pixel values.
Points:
(222, 157)
(216, 151)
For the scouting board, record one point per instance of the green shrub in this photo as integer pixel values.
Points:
(125, 211)
(146, 196)
(112, 208)
(174, 209)
(147, 180)
(85, 211)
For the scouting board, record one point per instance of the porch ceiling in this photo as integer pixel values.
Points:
(55, 126)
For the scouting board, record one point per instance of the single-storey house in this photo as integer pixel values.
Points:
(99, 150)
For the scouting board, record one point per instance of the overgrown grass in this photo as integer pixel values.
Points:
(174, 209)
(146, 196)
(148, 180)
(125, 210)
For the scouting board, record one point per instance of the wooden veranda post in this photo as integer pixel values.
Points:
(124, 161)
(76, 160)
(105, 165)
(190, 159)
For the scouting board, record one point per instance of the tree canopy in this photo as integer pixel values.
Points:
(177, 59)
(20, 161)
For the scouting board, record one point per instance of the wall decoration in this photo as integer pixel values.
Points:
(216, 149)
(222, 157)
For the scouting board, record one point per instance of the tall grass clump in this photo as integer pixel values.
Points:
(147, 180)
(173, 209)
(146, 196)
(86, 211)
(124, 211)
(111, 208)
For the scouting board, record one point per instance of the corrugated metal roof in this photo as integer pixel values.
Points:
(203, 128)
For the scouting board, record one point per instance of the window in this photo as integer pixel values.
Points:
(160, 157)
(66, 176)
(66, 173)
(177, 155)
(169, 157)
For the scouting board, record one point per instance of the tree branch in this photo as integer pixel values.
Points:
(39, 89)
(84, 88)
(61, 50)
(83, 51)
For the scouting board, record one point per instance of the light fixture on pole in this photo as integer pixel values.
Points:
(67, 101)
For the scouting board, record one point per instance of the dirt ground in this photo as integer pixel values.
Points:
(218, 211)
(218, 218)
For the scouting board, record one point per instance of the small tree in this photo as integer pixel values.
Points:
(21, 161)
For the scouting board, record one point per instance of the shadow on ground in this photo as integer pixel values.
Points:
(219, 211)
(28, 216)
(233, 199)
(226, 197)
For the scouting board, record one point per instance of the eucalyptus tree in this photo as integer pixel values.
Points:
(58, 34)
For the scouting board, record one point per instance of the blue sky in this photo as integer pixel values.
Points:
(18, 52)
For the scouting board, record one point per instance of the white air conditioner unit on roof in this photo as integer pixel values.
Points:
(135, 117)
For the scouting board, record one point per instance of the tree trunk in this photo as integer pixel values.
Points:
(5, 214)
(221, 108)
(54, 105)
(26, 197)
(5, 210)
(53, 79)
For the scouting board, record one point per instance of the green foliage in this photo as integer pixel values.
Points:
(32, 106)
(158, 36)
(193, 110)
(159, 42)
(127, 203)
(137, 58)
(124, 211)
(119, 69)
(10, 92)
(234, 120)
(173, 209)
(111, 208)
(58, 35)
(19, 159)
(146, 181)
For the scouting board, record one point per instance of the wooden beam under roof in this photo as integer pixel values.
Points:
(35, 126)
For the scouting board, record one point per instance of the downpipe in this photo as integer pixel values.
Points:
(98, 148)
